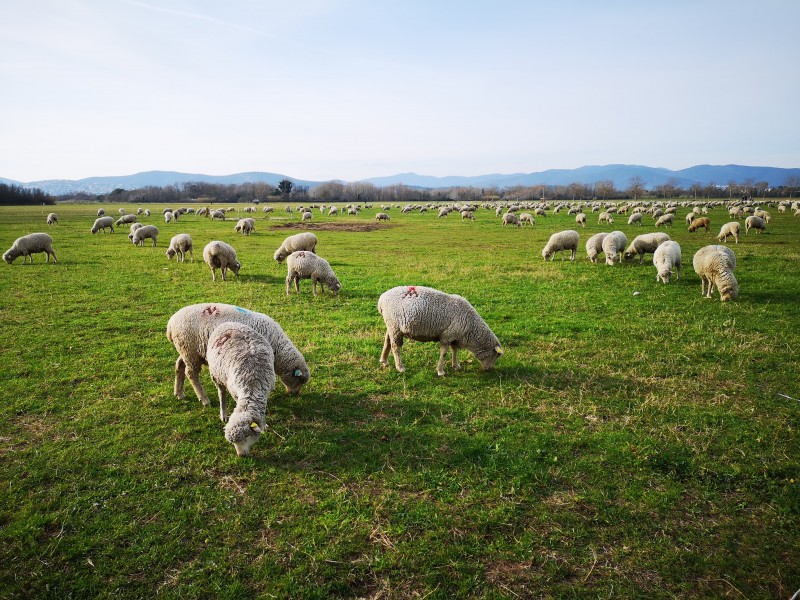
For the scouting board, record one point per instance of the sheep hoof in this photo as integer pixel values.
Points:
(440, 373)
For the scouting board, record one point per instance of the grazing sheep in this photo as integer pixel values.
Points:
(333, 211)
(101, 212)
(241, 361)
(30, 244)
(753, 222)
(307, 265)
(219, 255)
(217, 215)
(307, 216)
(764, 215)
(125, 220)
(122, 211)
(526, 218)
(169, 216)
(268, 209)
(146, 212)
(666, 219)
(580, 219)
(467, 214)
(245, 226)
(381, 216)
(642, 244)
(180, 245)
(562, 240)
(701, 222)
(101, 224)
(52, 219)
(667, 260)
(613, 245)
(202, 212)
(715, 265)
(189, 330)
(594, 246)
(293, 243)
(635, 218)
(428, 315)
(134, 227)
(139, 210)
(605, 217)
(444, 211)
(143, 233)
(511, 219)
(729, 229)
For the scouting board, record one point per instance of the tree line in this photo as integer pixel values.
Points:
(16, 195)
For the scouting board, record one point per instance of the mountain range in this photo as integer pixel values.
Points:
(619, 174)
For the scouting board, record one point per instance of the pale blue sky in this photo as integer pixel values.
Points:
(352, 89)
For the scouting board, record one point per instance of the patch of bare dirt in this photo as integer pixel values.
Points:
(357, 227)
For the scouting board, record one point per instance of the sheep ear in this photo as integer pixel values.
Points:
(254, 426)
(498, 349)
(298, 373)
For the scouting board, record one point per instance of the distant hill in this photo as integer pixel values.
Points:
(620, 175)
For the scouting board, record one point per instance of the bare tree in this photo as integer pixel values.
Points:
(793, 183)
(635, 187)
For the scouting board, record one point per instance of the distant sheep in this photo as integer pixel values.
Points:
(28, 245)
(594, 246)
(146, 212)
(179, 245)
(245, 226)
(122, 211)
(293, 243)
(381, 216)
(666, 219)
(241, 362)
(169, 216)
(613, 246)
(134, 227)
(605, 217)
(428, 315)
(715, 265)
(125, 220)
(101, 223)
(580, 219)
(753, 222)
(562, 240)
(52, 219)
(217, 215)
(101, 212)
(642, 244)
(307, 265)
(189, 330)
(307, 216)
(527, 218)
(701, 222)
(667, 260)
(222, 256)
(729, 229)
(635, 218)
(467, 214)
(143, 233)
(511, 219)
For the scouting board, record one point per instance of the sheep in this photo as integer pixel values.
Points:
(219, 255)
(526, 218)
(333, 211)
(562, 240)
(753, 222)
(580, 219)
(667, 260)
(467, 214)
(594, 246)
(642, 244)
(241, 362)
(101, 212)
(189, 329)
(613, 245)
(122, 211)
(635, 218)
(701, 222)
(307, 265)
(245, 226)
(511, 219)
(666, 219)
(605, 217)
(180, 245)
(143, 233)
(134, 227)
(428, 315)
(729, 229)
(217, 215)
(139, 210)
(102, 223)
(444, 211)
(30, 244)
(381, 216)
(125, 220)
(146, 212)
(764, 215)
(268, 209)
(715, 265)
(293, 243)
(169, 216)
(307, 216)
(52, 219)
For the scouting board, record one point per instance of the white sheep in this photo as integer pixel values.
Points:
(146, 212)
(729, 229)
(101, 223)
(715, 265)
(307, 265)
(52, 219)
(189, 330)
(139, 210)
(561, 240)
(134, 227)
(241, 362)
(527, 218)
(667, 260)
(180, 245)
(30, 244)
(245, 226)
(219, 255)
(642, 244)
(143, 233)
(122, 211)
(594, 246)
(613, 246)
(293, 243)
(428, 315)
(635, 218)
(467, 214)
(511, 219)
(605, 217)
(753, 222)
(333, 211)
(307, 216)
(101, 212)
(125, 220)
(667, 219)
(169, 216)
(580, 219)
(217, 215)
(382, 216)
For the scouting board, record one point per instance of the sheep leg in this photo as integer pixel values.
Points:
(193, 373)
(213, 274)
(574, 253)
(288, 284)
(397, 343)
(443, 346)
(314, 285)
(297, 283)
(223, 403)
(191, 254)
(456, 365)
(387, 344)
(224, 270)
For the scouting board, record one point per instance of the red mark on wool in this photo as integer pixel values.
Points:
(210, 310)
(301, 254)
(223, 339)
(411, 292)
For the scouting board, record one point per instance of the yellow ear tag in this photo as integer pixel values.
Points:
(498, 349)
(253, 425)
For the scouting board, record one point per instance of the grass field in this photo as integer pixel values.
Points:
(625, 445)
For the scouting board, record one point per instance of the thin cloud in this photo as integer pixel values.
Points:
(196, 17)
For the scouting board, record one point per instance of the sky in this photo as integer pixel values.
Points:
(352, 89)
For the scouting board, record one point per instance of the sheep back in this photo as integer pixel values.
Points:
(715, 264)
(293, 243)
(33, 243)
(594, 246)
(644, 243)
(102, 223)
(561, 240)
(613, 245)
(143, 233)
(307, 265)
(666, 259)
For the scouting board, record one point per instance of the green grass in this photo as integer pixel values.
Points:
(625, 445)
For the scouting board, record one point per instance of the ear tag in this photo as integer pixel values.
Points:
(498, 349)
(297, 372)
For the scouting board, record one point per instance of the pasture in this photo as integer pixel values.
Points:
(625, 445)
